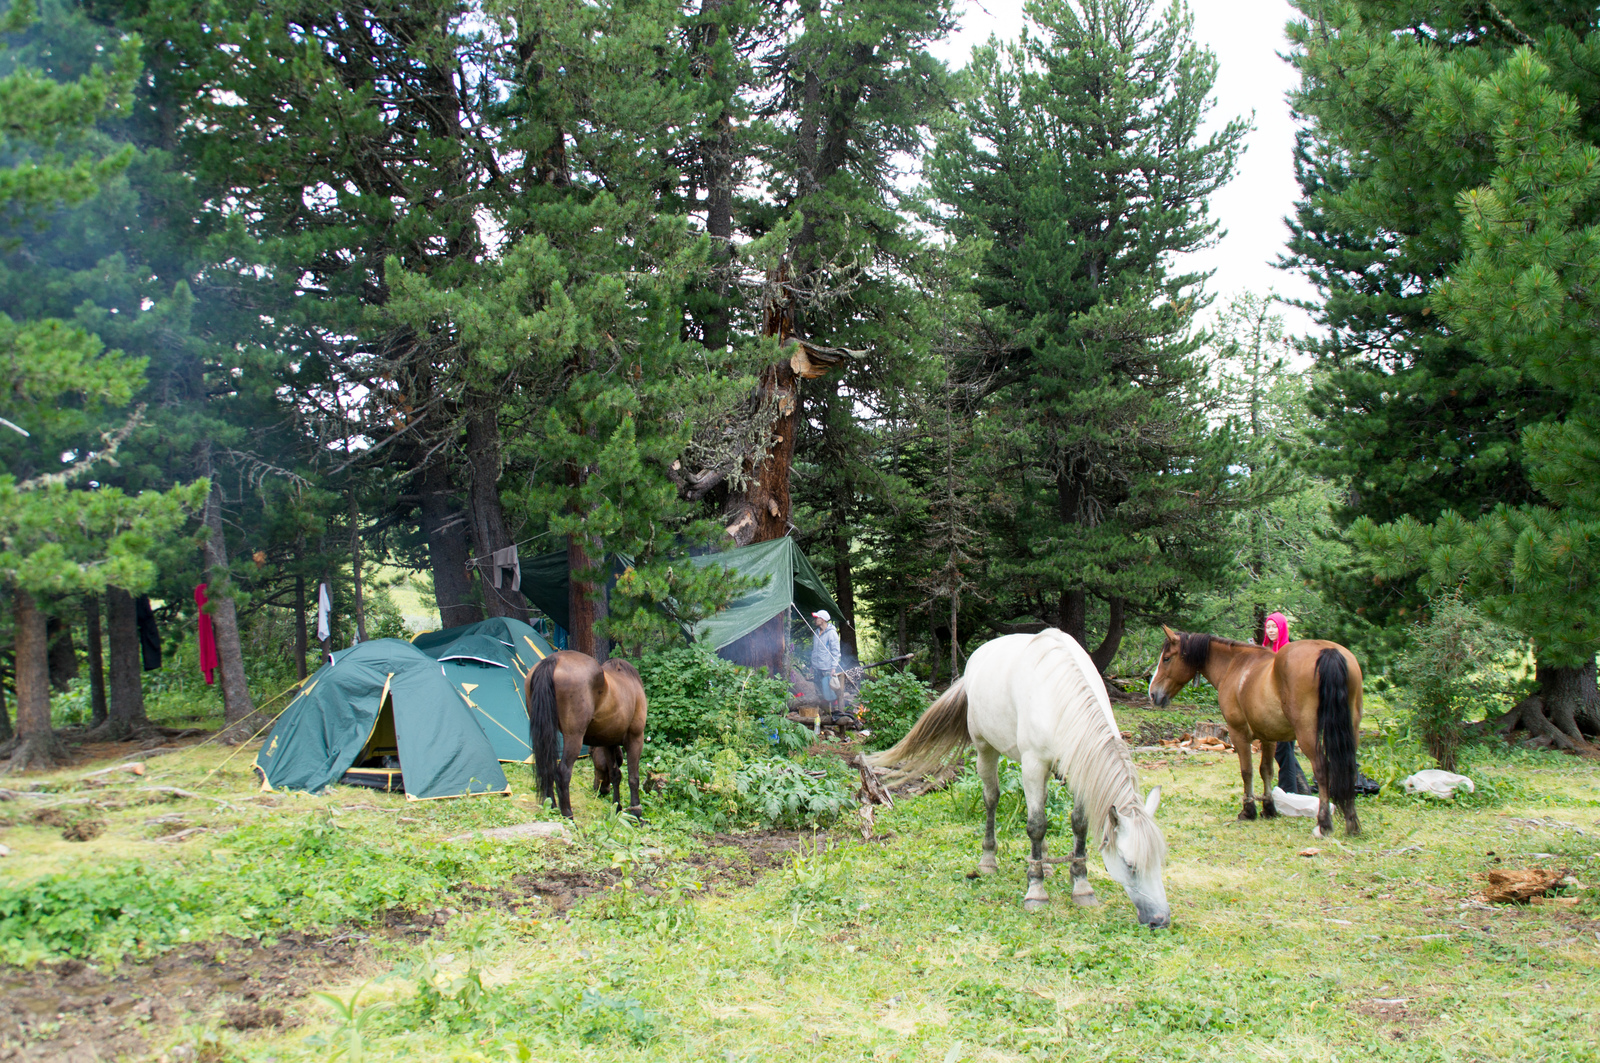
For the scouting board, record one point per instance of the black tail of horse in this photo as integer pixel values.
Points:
(544, 726)
(1335, 729)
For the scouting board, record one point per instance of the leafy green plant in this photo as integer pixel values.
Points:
(1447, 672)
(352, 1021)
(697, 696)
(890, 704)
(729, 787)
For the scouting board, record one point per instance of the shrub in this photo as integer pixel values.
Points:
(727, 787)
(890, 704)
(696, 695)
(1448, 668)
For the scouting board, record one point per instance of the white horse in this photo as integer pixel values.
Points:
(1039, 700)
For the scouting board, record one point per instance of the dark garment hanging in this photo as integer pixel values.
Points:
(149, 637)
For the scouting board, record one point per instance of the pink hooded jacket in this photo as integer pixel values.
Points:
(1281, 623)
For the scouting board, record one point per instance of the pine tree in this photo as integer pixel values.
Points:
(1078, 158)
(60, 536)
(1524, 294)
(1409, 415)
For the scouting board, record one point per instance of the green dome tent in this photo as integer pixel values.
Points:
(434, 717)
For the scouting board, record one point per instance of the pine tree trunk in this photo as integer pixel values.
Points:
(759, 513)
(845, 591)
(448, 553)
(716, 163)
(38, 749)
(1571, 699)
(902, 635)
(580, 598)
(98, 713)
(1071, 613)
(933, 642)
(127, 713)
(355, 568)
(1107, 652)
(301, 643)
(6, 732)
(488, 517)
(237, 708)
(63, 654)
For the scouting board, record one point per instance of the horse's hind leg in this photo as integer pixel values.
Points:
(1082, 892)
(1269, 771)
(569, 757)
(1035, 778)
(989, 772)
(635, 749)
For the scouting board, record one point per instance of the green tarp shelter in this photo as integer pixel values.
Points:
(434, 717)
(790, 580)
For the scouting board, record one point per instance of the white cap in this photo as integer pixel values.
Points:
(822, 614)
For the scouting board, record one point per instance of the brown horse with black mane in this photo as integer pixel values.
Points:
(1309, 691)
(573, 695)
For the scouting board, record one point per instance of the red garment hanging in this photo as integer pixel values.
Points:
(208, 637)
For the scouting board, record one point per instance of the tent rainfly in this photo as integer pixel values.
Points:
(434, 718)
(790, 581)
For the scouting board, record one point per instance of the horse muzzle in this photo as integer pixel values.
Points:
(1160, 698)
(1154, 918)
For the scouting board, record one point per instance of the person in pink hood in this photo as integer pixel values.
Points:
(1275, 636)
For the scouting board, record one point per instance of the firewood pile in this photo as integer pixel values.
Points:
(1206, 737)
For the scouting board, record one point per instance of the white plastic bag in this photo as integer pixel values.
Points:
(1294, 804)
(1438, 783)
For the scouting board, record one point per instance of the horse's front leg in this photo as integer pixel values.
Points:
(989, 772)
(1269, 772)
(1082, 892)
(1035, 780)
(1241, 746)
(635, 750)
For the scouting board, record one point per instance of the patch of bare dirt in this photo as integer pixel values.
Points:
(1401, 1017)
(72, 1011)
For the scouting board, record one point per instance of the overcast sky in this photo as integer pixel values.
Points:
(1246, 37)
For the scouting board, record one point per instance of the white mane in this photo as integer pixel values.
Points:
(1088, 747)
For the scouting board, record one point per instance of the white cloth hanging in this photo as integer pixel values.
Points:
(324, 608)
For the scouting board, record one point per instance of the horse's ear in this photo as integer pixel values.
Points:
(1152, 800)
(1171, 634)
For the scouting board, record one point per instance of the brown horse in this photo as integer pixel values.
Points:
(572, 695)
(1309, 691)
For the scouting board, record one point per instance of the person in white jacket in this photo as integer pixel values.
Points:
(825, 659)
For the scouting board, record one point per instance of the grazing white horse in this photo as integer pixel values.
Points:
(1038, 700)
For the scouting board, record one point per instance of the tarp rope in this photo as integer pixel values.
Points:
(252, 738)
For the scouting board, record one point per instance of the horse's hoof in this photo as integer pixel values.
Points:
(1316, 832)
(986, 869)
(1269, 810)
(1033, 904)
(1249, 812)
(988, 864)
(1086, 899)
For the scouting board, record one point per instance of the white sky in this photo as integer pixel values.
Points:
(1246, 37)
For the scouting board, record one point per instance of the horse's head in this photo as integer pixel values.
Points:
(1181, 657)
(1135, 853)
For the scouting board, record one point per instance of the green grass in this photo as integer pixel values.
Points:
(1372, 949)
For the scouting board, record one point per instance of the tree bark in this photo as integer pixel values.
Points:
(1571, 699)
(38, 748)
(716, 163)
(127, 713)
(448, 553)
(933, 641)
(759, 513)
(902, 635)
(300, 640)
(1071, 611)
(488, 517)
(355, 568)
(1107, 652)
(6, 732)
(237, 708)
(98, 713)
(845, 591)
(63, 654)
(582, 611)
